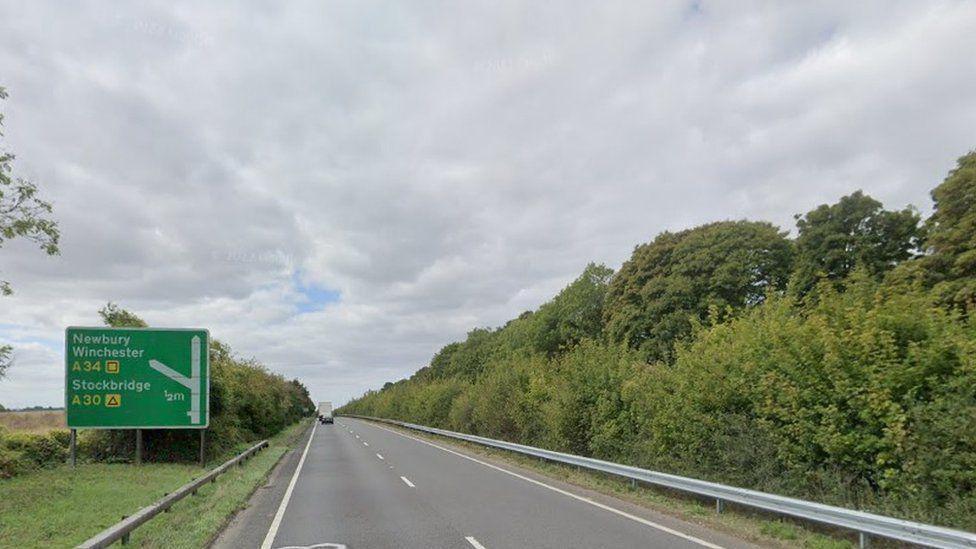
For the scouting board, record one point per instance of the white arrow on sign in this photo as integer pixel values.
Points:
(193, 383)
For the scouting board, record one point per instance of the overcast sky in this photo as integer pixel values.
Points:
(340, 188)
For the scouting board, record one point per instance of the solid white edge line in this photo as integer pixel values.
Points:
(625, 514)
(474, 543)
(276, 523)
(407, 482)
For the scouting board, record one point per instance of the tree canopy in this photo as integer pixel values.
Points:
(855, 231)
(951, 234)
(22, 215)
(681, 276)
(117, 317)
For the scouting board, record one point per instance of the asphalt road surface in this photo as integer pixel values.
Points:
(357, 485)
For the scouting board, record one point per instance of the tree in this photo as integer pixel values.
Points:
(5, 352)
(951, 235)
(117, 317)
(856, 231)
(576, 313)
(679, 276)
(22, 215)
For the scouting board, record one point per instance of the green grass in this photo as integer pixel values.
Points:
(62, 507)
(779, 529)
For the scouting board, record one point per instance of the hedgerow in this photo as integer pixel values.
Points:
(851, 381)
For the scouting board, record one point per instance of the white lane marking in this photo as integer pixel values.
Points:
(316, 546)
(407, 481)
(379, 456)
(365, 444)
(624, 514)
(474, 543)
(357, 436)
(276, 523)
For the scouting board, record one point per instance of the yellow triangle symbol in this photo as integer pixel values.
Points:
(113, 400)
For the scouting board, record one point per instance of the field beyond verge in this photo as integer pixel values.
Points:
(33, 421)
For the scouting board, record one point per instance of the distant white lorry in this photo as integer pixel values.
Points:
(325, 412)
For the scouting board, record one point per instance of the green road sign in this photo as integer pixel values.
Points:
(129, 378)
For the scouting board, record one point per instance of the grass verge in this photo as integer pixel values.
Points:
(62, 507)
(743, 523)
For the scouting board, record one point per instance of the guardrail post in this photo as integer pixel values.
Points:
(863, 540)
(719, 506)
(73, 447)
(633, 483)
(125, 537)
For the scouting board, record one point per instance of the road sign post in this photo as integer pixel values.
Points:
(73, 448)
(138, 446)
(137, 378)
(203, 447)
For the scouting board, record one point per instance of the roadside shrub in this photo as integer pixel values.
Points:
(20, 452)
(872, 387)
(247, 402)
(11, 463)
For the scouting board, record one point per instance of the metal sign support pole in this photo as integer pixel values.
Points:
(203, 446)
(138, 446)
(74, 447)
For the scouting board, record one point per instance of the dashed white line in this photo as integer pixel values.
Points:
(624, 514)
(474, 543)
(276, 523)
(407, 482)
(379, 456)
(365, 444)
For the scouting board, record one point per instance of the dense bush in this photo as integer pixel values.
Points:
(854, 384)
(23, 452)
(843, 387)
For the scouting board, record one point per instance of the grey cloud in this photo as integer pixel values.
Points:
(440, 166)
